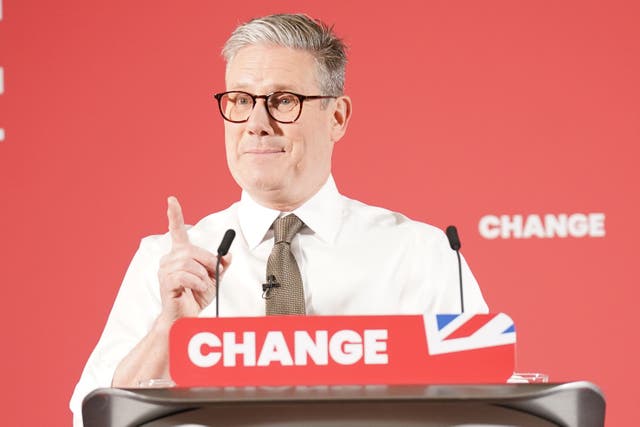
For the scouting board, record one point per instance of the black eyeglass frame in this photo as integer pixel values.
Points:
(301, 98)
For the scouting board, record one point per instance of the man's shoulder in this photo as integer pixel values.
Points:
(376, 218)
(205, 233)
(217, 220)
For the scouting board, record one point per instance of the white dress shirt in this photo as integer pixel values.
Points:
(354, 260)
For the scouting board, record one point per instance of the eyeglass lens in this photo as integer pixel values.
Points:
(282, 106)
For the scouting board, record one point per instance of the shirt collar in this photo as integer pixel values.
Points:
(322, 213)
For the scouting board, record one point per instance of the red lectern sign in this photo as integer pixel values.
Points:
(331, 350)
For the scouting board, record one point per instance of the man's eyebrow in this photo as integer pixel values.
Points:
(272, 88)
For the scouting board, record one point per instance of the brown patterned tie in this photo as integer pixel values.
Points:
(288, 297)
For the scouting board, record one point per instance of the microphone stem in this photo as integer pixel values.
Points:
(460, 276)
(217, 286)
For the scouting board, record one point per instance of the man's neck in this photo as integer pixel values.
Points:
(284, 203)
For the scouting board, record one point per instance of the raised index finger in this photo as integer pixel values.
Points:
(177, 230)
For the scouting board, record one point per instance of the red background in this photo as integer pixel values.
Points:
(518, 108)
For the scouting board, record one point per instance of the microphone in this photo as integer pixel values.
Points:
(454, 242)
(229, 235)
(272, 283)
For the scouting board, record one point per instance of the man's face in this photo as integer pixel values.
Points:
(281, 165)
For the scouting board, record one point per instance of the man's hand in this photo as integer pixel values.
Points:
(187, 272)
(187, 286)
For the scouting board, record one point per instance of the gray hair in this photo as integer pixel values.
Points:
(296, 31)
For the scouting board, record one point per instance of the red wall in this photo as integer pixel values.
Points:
(518, 108)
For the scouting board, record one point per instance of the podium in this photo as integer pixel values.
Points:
(298, 372)
(579, 404)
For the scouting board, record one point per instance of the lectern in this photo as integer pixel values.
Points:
(575, 404)
(298, 371)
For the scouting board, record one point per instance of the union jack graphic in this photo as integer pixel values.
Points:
(450, 333)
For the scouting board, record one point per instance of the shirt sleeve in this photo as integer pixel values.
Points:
(136, 307)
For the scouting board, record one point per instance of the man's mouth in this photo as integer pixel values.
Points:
(264, 151)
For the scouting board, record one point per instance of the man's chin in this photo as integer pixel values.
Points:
(264, 184)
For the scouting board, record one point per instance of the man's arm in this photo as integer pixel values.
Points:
(187, 286)
(149, 359)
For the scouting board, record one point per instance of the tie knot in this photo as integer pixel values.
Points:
(286, 227)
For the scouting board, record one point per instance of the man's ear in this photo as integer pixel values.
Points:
(341, 116)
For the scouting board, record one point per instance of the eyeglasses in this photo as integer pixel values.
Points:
(283, 107)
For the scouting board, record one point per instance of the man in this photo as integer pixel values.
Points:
(284, 109)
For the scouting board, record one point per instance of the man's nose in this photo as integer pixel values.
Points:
(260, 123)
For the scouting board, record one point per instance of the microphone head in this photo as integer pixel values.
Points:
(454, 240)
(229, 235)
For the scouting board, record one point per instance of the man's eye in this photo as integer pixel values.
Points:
(242, 100)
(283, 100)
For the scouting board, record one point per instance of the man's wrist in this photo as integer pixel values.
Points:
(162, 324)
